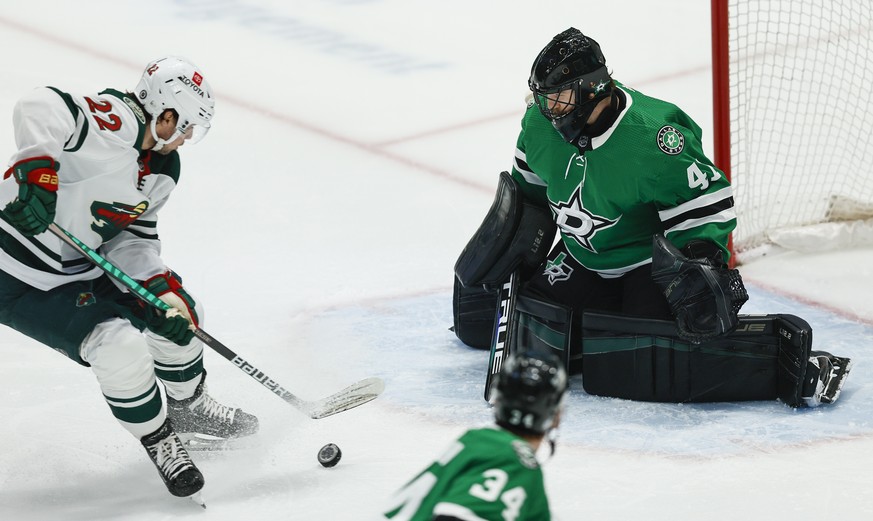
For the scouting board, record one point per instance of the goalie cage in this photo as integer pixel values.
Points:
(793, 113)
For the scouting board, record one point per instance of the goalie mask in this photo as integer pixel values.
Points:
(568, 79)
(174, 83)
(529, 392)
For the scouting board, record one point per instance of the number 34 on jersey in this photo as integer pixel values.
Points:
(487, 474)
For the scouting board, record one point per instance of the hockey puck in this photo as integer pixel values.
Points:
(329, 455)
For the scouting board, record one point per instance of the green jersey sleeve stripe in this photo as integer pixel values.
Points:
(151, 235)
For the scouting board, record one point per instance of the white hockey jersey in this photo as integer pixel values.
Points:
(109, 191)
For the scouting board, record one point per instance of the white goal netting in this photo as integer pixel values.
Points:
(801, 118)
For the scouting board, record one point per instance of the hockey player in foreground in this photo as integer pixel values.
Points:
(102, 166)
(636, 294)
(493, 473)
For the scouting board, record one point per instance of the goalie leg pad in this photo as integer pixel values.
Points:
(765, 357)
(473, 309)
(646, 360)
(794, 352)
(514, 234)
(807, 377)
(541, 325)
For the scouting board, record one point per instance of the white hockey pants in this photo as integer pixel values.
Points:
(124, 361)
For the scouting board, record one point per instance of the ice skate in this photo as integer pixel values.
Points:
(179, 473)
(826, 375)
(203, 423)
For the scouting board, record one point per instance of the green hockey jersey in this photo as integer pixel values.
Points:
(487, 474)
(646, 174)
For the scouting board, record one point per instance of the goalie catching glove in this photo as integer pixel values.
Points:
(34, 209)
(174, 325)
(704, 295)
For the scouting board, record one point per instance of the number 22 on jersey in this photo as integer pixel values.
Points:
(103, 107)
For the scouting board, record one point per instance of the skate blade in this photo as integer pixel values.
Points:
(204, 442)
(197, 497)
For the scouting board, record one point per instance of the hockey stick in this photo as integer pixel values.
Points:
(352, 396)
(500, 344)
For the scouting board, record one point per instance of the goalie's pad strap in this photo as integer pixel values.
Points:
(645, 359)
(795, 336)
(542, 325)
(513, 234)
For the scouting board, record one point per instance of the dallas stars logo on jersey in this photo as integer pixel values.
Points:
(578, 223)
(110, 219)
(670, 140)
(557, 270)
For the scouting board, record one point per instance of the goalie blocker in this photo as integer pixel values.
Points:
(515, 236)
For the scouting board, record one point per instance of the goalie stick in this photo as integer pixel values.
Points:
(352, 396)
(502, 330)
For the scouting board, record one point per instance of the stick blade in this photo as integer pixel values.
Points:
(352, 396)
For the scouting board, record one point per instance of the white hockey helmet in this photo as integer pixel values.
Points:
(175, 83)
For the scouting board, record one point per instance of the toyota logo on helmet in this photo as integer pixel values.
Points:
(176, 83)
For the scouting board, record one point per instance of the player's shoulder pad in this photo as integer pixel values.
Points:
(138, 115)
(519, 451)
(67, 99)
(672, 127)
(500, 447)
(129, 101)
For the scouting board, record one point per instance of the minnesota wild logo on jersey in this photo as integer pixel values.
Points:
(111, 219)
(85, 299)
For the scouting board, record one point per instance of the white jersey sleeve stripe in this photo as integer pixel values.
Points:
(520, 164)
(697, 202)
(720, 217)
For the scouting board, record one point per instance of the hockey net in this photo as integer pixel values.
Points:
(794, 121)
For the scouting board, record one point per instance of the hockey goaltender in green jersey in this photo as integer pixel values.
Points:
(492, 473)
(636, 292)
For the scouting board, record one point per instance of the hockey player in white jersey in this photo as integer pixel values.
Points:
(102, 166)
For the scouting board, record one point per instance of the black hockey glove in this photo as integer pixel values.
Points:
(703, 294)
(34, 209)
(175, 328)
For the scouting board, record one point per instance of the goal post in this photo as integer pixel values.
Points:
(793, 121)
